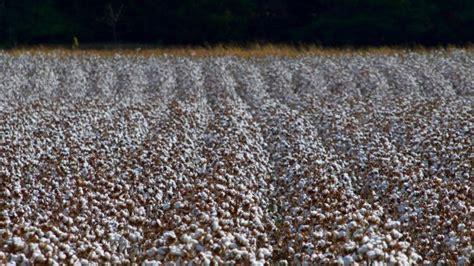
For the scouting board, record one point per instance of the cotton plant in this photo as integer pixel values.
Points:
(102, 78)
(309, 79)
(161, 78)
(249, 82)
(278, 78)
(217, 76)
(336, 159)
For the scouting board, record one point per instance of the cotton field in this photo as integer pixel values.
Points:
(347, 159)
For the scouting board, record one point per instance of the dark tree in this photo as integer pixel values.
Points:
(326, 22)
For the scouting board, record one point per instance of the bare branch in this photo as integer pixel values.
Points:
(112, 18)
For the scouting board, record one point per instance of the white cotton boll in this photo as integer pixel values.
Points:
(115, 259)
(200, 248)
(404, 245)
(123, 244)
(348, 260)
(392, 224)
(175, 250)
(188, 239)
(18, 243)
(375, 253)
(198, 233)
(352, 225)
(372, 254)
(402, 258)
(230, 244)
(178, 205)
(151, 263)
(255, 262)
(16, 259)
(452, 242)
(242, 240)
(365, 239)
(415, 257)
(341, 234)
(215, 225)
(151, 252)
(61, 255)
(169, 235)
(134, 237)
(350, 246)
(374, 219)
(162, 250)
(396, 234)
(244, 222)
(462, 260)
(340, 261)
(365, 248)
(38, 256)
(318, 234)
(264, 253)
(53, 262)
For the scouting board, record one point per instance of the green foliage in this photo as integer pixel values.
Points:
(75, 42)
(34, 21)
(327, 22)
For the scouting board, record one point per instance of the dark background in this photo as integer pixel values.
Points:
(203, 22)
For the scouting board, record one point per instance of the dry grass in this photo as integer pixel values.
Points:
(255, 50)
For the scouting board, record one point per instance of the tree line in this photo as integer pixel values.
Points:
(198, 22)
